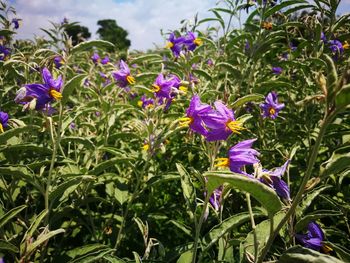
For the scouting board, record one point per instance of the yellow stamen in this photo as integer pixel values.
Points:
(272, 111)
(140, 103)
(55, 94)
(222, 162)
(198, 41)
(326, 249)
(346, 45)
(149, 106)
(267, 178)
(1, 128)
(186, 121)
(145, 147)
(183, 89)
(235, 126)
(169, 45)
(155, 88)
(130, 80)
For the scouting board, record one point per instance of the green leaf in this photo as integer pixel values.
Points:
(309, 198)
(182, 227)
(342, 98)
(337, 163)
(43, 238)
(69, 87)
(106, 164)
(188, 190)
(185, 257)
(90, 44)
(10, 214)
(282, 5)
(146, 57)
(7, 246)
(266, 196)
(301, 225)
(332, 76)
(79, 140)
(13, 132)
(234, 71)
(304, 255)
(203, 73)
(84, 250)
(251, 97)
(112, 259)
(137, 257)
(342, 252)
(262, 233)
(221, 229)
(62, 188)
(30, 231)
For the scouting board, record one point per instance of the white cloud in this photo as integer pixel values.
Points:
(143, 19)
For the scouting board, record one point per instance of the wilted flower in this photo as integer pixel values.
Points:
(196, 113)
(277, 70)
(58, 60)
(274, 180)
(4, 117)
(266, 25)
(175, 44)
(16, 22)
(38, 95)
(192, 41)
(215, 198)
(222, 123)
(313, 238)
(145, 102)
(123, 76)
(4, 52)
(105, 60)
(271, 107)
(162, 86)
(95, 58)
(238, 156)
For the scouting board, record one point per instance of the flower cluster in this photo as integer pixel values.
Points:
(215, 124)
(183, 43)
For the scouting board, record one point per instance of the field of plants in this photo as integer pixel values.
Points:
(226, 145)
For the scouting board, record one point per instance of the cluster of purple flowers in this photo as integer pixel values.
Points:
(96, 59)
(4, 52)
(182, 43)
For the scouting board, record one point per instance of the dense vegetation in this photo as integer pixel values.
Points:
(229, 145)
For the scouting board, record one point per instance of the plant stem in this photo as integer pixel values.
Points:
(198, 228)
(256, 244)
(326, 120)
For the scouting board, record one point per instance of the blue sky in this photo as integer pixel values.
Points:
(143, 19)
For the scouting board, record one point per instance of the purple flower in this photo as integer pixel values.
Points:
(210, 62)
(336, 48)
(145, 102)
(4, 117)
(323, 38)
(277, 70)
(238, 156)
(58, 61)
(105, 78)
(215, 198)
(162, 86)
(192, 41)
(38, 95)
(64, 21)
(274, 180)
(313, 238)
(123, 77)
(222, 123)
(271, 107)
(4, 52)
(105, 60)
(175, 44)
(95, 58)
(72, 125)
(196, 114)
(16, 22)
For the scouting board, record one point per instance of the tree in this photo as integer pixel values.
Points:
(78, 33)
(110, 31)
